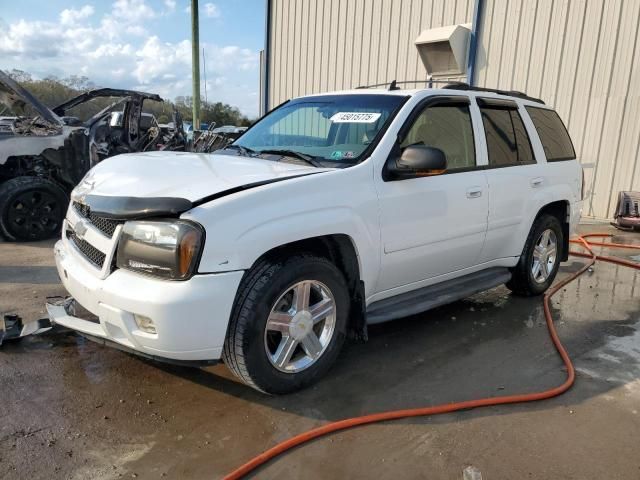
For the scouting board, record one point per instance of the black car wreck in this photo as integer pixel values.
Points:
(45, 152)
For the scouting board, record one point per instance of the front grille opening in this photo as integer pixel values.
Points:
(105, 225)
(92, 254)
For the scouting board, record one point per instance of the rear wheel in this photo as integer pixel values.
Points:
(288, 324)
(31, 209)
(540, 259)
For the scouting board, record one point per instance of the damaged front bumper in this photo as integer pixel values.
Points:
(13, 327)
(67, 310)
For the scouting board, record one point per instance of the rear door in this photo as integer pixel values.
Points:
(434, 225)
(513, 174)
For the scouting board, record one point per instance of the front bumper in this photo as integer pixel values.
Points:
(13, 327)
(190, 317)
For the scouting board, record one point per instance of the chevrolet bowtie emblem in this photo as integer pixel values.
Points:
(80, 229)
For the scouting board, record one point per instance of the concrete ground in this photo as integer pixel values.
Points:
(72, 409)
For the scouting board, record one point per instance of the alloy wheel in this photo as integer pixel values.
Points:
(300, 326)
(545, 254)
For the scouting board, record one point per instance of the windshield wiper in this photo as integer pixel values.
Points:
(292, 153)
(247, 152)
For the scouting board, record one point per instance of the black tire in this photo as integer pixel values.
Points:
(522, 281)
(31, 209)
(244, 350)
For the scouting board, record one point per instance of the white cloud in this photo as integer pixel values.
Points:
(171, 5)
(117, 52)
(70, 16)
(132, 10)
(211, 10)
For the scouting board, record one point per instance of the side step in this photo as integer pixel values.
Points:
(433, 296)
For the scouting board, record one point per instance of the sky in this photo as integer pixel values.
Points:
(138, 44)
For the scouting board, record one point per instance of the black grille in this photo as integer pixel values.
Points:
(105, 225)
(94, 255)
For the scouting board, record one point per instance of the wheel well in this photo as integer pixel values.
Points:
(339, 250)
(562, 211)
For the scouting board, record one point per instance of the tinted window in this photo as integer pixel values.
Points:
(553, 135)
(447, 128)
(507, 139)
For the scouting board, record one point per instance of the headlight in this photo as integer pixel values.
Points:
(168, 249)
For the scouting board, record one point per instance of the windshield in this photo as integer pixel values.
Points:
(330, 128)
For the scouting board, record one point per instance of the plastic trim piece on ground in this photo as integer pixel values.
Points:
(305, 437)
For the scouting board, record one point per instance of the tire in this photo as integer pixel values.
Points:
(527, 280)
(268, 288)
(31, 209)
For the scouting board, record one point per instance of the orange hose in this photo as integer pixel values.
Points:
(603, 244)
(305, 437)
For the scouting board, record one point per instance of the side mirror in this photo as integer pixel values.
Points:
(418, 160)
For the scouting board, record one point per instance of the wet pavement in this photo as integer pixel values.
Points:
(70, 408)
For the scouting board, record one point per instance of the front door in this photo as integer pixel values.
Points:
(434, 225)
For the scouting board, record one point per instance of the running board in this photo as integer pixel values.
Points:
(426, 298)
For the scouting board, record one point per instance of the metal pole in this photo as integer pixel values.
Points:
(195, 63)
(473, 41)
(204, 71)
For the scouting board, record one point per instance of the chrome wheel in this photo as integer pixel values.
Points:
(544, 256)
(300, 326)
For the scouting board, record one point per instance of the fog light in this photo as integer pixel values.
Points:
(145, 324)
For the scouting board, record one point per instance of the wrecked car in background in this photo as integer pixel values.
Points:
(211, 139)
(45, 152)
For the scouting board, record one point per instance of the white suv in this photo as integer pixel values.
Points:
(332, 212)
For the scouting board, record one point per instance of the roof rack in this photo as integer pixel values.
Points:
(511, 93)
(393, 85)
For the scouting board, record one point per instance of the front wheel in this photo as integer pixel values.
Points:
(31, 209)
(288, 324)
(540, 259)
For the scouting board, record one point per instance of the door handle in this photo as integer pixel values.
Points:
(474, 192)
(537, 182)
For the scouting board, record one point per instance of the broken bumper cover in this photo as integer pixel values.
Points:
(12, 327)
(190, 317)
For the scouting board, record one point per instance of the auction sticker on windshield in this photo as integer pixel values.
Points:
(355, 117)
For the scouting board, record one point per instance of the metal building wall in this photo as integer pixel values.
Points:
(323, 45)
(579, 55)
(582, 57)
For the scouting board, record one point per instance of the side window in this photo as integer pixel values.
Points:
(507, 139)
(447, 127)
(553, 134)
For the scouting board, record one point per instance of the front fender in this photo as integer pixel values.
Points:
(243, 226)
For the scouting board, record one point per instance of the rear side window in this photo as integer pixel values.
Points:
(507, 140)
(553, 134)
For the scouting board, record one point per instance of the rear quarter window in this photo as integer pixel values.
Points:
(553, 134)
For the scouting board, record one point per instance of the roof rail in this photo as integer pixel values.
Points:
(393, 84)
(428, 82)
(511, 93)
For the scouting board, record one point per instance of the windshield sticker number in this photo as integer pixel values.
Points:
(355, 117)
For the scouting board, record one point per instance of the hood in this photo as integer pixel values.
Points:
(191, 176)
(103, 92)
(16, 97)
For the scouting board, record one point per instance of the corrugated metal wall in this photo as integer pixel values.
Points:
(582, 57)
(579, 55)
(324, 45)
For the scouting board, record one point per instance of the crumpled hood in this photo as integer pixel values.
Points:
(192, 176)
(16, 97)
